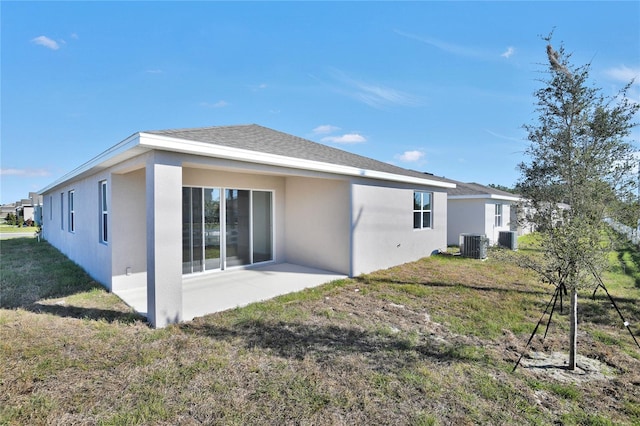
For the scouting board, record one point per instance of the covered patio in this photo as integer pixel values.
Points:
(215, 292)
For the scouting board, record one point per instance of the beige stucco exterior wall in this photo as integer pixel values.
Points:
(465, 216)
(163, 177)
(28, 213)
(491, 230)
(81, 246)
(382, 220)
(317, 230)
(476, 216)
(128, 229)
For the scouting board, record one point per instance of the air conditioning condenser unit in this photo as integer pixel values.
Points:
(508, 239)
(473, 245)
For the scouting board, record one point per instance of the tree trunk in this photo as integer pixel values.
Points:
(573, 333)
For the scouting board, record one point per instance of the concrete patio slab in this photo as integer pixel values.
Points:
(209, 293)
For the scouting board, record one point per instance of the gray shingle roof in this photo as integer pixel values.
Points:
(473, 188)
(256, 138)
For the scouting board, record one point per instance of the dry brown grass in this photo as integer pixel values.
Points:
(431, 342)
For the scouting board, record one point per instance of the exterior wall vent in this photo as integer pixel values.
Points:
(473, 246)
(508, 239)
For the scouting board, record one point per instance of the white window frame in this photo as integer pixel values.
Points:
(72, 211)
(104, 213)
(421, 210)
(498, 215)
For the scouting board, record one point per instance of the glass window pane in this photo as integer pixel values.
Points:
(416, 220)
(197, 242)
(426, 201)
(104, 196)
(105, 235)
(417, 200)
(426, 220)
(186, 230)
(237, 227)
(262, 227)
(212, 228)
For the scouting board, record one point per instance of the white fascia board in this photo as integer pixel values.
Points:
(122, 147)
(166, 143)
(484, 196)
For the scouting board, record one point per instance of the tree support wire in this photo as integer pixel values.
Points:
(552, 303)
(625, 322)
(553, 300)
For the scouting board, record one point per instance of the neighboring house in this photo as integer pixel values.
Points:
(5, 209)
(478, 209)
(161, 206)
(25, 209)
(36, 203)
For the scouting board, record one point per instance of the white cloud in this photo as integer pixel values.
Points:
(46, 42)
(372, 94)
(509, 138)
(24, 172)
(74, 36)
(624, 74)
(219, 104)
(410, 156)
(509, 52)
(442, 45)
(346, 138)
(325, 129)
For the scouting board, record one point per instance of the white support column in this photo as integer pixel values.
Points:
(164, 240)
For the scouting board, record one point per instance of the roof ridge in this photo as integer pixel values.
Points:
(194, 129)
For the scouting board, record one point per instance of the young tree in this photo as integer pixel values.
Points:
(579, 163)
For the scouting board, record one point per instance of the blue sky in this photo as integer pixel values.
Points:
(443, 87)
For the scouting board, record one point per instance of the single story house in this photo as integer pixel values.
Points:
(24, 209)
(6, 209)
(479, 209)
(163, 206)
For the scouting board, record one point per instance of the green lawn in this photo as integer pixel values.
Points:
(11, 229)
(431, 342)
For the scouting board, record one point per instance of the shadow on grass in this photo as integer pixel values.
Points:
(629, 257)
(367, 279)
(34, 271)
(329, 343)
(600, 310)
(107, 315)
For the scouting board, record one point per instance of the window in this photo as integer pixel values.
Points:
(62, 210)
(72, 213)
(104, 212)
(50, 207)
(498, 216)
(422, 209)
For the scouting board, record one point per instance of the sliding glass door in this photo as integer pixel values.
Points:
(221, 232)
